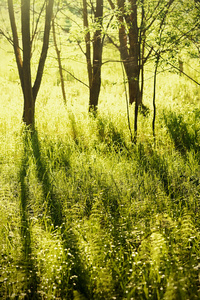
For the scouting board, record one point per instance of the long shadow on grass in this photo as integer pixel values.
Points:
(79, 276)
(30, 279)
(184, 138)
(117, 228)
(53, 204)
(177, 185)
(110, 135)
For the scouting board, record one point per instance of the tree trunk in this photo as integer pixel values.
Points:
(24, 64)
(154, 95)
(16, 42)
(87, 42)
(97, 58)
(94, 67)
(129, 46)
(134, 88)
(135, 95)
(29, 105)
(142, 69)
(45, 46)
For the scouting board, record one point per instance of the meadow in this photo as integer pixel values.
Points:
(84, 212)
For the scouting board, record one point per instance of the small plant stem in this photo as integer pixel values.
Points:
(127, 103)
(154, 97)
(59, 62)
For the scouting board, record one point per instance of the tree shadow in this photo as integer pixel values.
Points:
(31, 279)
(54, 206)
(109, 134)
(177, 184)
(80, 278)
(185, 137)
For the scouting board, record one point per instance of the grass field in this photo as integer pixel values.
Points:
(84, 213)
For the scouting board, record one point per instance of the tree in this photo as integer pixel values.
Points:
(23, 54)
(187, 26)
(94, 65)
(140, 24)
(90, 32)
(128, 31)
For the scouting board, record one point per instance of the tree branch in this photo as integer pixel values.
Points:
(37, 22)
(16, 41)
(76, 78)
(49, 12)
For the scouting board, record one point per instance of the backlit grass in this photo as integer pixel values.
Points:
(85, 214)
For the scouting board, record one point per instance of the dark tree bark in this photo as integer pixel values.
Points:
(154, 95)
(29, 107)
(142, 47)
(97, 58)
(129, 46)
(87, 42)
(134, 54)
(129, 39)
(94, 67)
(24, 61)
(43, 55)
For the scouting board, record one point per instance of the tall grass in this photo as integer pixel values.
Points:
(87, 215)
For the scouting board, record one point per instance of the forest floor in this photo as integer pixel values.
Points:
(87, 214)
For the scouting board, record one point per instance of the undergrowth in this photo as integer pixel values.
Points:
(86, 214)
(100, 220)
